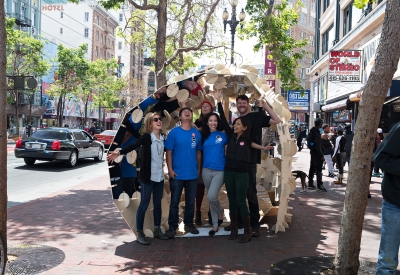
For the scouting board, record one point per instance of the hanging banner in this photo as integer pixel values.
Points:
(345, 66)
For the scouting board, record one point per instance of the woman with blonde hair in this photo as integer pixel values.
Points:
(151, 173)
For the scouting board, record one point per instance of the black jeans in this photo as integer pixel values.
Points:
(315, 167)
(252, 199)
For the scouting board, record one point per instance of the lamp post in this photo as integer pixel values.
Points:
(233, 24)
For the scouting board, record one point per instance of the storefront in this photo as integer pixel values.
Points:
(299, 106)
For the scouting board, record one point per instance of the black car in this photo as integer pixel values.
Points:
(63, 144)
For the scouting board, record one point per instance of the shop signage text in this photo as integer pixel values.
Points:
(299, 100)
(52, 8)
(345, 66)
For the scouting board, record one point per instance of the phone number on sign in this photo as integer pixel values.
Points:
(353, 78)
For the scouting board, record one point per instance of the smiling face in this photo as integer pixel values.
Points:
(242, 106)
(191, 85)
(205, 109)
(212, 123)
(156, 123)
(186, 115)
(238, 127)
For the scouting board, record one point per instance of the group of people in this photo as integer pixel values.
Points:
(214, 150)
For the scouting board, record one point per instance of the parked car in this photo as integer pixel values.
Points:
(106, 137)
(63, 144)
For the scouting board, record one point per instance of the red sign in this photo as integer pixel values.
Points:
(345, 66)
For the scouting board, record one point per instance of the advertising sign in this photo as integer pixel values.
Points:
(299, 100)
(269, 69)
(345, 66)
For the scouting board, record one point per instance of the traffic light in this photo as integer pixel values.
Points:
(122, 103)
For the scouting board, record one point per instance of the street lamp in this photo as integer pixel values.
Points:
(233, 24)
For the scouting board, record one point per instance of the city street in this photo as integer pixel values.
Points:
(75, 214)
(27, 183)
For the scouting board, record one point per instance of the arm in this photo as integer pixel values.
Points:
(198, 157)
(257, 146)
(224, 122)
(171, 172)
(114, 154)
(387, 155)
(274, 118)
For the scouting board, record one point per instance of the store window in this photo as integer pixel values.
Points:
(327, 39)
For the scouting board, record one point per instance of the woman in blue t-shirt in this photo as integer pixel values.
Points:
(214, 141)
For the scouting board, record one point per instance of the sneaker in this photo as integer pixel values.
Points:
(321, 188)
(376, 175)
(191, 229)
(171, 233)
(331, 175)
(311, 186)
(159, 235)
(141, 238)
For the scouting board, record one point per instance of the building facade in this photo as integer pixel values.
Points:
(345, 43)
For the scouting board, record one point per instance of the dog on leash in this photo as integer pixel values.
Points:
(300, 174)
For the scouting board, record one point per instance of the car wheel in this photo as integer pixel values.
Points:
(29, 161)
(73, 158)
(99, 155)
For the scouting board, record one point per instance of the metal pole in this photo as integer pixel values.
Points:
(233, 32)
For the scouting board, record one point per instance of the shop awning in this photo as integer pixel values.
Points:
(334, 106)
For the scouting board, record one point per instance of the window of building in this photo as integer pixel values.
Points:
(302, 73)
(101, 38)
(121, 17)
(312, 5)
(87, 47)
(119, 45)
(326, 4)
(97, 20)
(86, 17)
(97, 51)
(61, 30)
(61, 15)
(304, 2)
(112, 45)
(327, 39)
(86, 32)
(303, 18)
(101, 53)
(303, 35)
(347, 19)
(312, 40)
(120, 29)
(312, 22)
(97, 35)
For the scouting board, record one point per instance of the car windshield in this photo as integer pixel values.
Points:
(46, 134)
(108, 133)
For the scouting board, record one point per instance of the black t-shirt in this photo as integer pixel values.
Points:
(252, 117)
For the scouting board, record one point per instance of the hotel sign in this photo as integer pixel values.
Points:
(345, 66)
(52, 7)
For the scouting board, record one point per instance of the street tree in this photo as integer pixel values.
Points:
(271, 28)
(3, 138)
(25, 57)
(374, 94)
(181, 28)
(72, 68)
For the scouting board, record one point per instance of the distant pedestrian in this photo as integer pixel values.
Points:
(339, 155)
(300, 139)
(29, 129)
(92, 130)
(387, 157)
(327, 149)
(378, 140)
(317, 158)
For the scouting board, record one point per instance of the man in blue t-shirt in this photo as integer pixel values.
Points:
(183, 146)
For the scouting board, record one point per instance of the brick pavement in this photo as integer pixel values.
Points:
(84, 223)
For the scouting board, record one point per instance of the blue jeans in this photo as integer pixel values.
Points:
(176, 187)
(157, 188)
(390, 239)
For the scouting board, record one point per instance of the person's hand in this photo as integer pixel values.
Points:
(112, 156)
(218, 95)
(269, 147)
(172, 174)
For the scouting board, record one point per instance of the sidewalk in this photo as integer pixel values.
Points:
(86, 226)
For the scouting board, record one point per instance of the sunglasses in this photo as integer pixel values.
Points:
(156, 119)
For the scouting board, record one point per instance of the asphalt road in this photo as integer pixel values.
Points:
(26, 183)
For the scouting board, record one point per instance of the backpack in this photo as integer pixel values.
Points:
(310, 140)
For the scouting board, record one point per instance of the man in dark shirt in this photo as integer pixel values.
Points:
(387, 157)
(243, 106)
(317, 158)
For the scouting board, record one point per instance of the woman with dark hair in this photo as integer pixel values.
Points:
(151, 174)
(339, 154)
(238, 151)
(214, 142)
(206, 108)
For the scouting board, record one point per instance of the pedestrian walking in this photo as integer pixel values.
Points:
(300, 139)
(339, 155)
(238, 162)
(206, 108)
(243, 106)
(151, 174)
(317, 158)
(213, 141)
(327, 149)
(183, 146)
(387, 157)
(378, 140)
